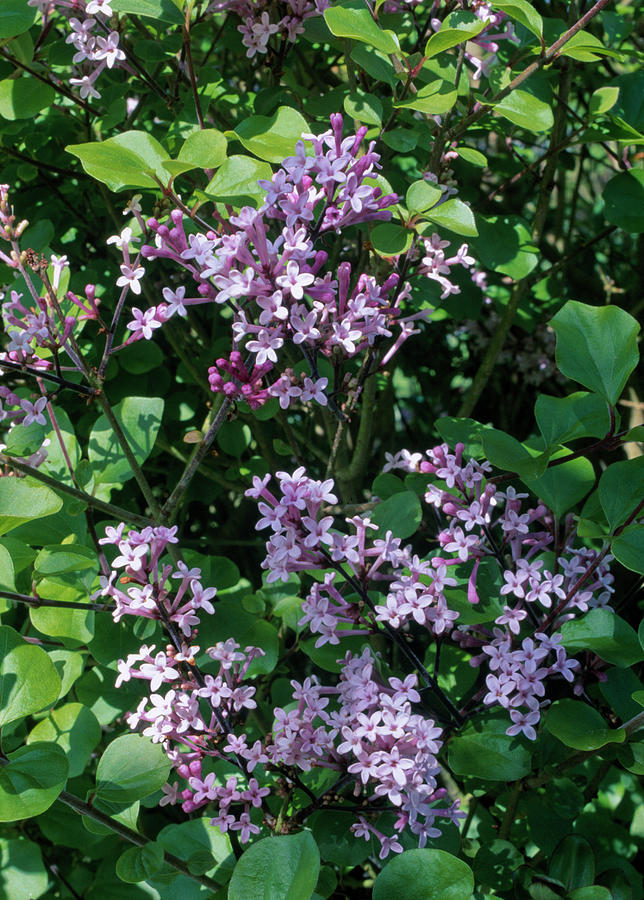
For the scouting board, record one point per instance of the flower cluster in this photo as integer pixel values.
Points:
(263, 264)
(258, 28)
(96, 46)
(539, 590)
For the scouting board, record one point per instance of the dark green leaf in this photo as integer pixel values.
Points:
(28, 678)
(424, 875)
(75, 729)
(31, 780)
(573, 862)
(390, 239)
(486, 751)
(15, 17)
(139, 863)
(596, 346)
(563, 419)
(628, 548)
(401, 514)
(624, 200)
(131, 768)
(621, 489)
(581, 727)
(606, 634)
(277, 868)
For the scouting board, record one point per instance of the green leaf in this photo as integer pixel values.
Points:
(591, 892)
(433, 99)
(424, 875)
(31, 780)
(24, 499)
(573, 862)
(163, 10)
(454, 215)
(456, 430)
(621, 489)
(234, 438)
(235, 182)
(201, 150)
(24, 441)
(353, 20)
(474, 157)
(523, 12)
(390, 239)
(6, 570)
(603, 632)
(131, 768)
(624, 201)
(603, 99)
(495, 863)
(421, 196)
(457, 27)
(23, 98)
(22, 872)
(140, 419)
(561, 487)
(277, 868)
(579, 726)
(504, 244)
(128, 160)
(486, 751)
(366, 108)
(273, 137)
(401, 514)
(140, 863)
(505, 452)
(188, 838)
(15, 18)
(374, 63)
(596, 346)
(526, 111)
(628, 548)
(28, 678)
(57, 559)
(563, 419)
(75, 729)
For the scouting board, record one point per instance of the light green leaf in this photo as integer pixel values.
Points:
(390, 239)
(277, 868)
(24, 499)
(131, 768)
(606, 634)
(457, 27)
(486, 751)
(366, 108)
(163, 10)
(603, 99)
(140, 419)
(526, 111)
(421, 196)
(22, 872)
(424, 875)
(28, 679)
(353, 20)
(272, 138)
(523, 12)
(581, 727)
(31, 780)
(454, 215)
(140, 863)
(204, 149)
(75, 729)
(235, 182)
(434, 99)
(128, 160)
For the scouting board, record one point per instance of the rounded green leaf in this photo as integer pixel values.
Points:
(22, 872)
(366, 108)
(424, 875)
(75, 729)
(390, 239)
(236, 180)
(581, 727)
(28, 679)
(621, 489)
(130, 159)
(163, 10)
(131, 768)
(434, 99)
(31, 780)
(526, 111)
(205, 149)
(15, 17)
(495, 863)
(606, 634)
(23, 98)
(504, 244)
(561, 487)
(140, 419)
(624, 200)
(487, 752)
(523, 12)
(139, 863)
(23, 499)
(573, 862)
(277, 868)
(454, 215)
(273, 137)
(197, 840)
(563, 419)
(355, 21)
(401, 514)
(455, 29)
(596, 346)
(628, 548)
(421, 196)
